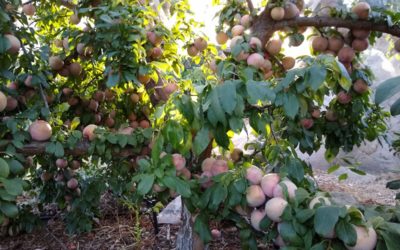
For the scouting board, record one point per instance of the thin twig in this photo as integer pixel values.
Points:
(250, 5)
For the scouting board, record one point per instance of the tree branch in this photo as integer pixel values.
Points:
(251, 6)
(264, 26)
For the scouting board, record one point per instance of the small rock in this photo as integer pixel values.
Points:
(341, 198)
(171, 214)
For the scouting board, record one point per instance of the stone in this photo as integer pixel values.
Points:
(342, 199)
(171, 214)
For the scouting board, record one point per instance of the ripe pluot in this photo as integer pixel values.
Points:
(12, 103)
(56, 63)
(291, 188)
(335, 43)
(346, 55)
(245, 21)
(88, 132)
(236, 154)
(215, 233)
(222, 38)
(256, 60)
(29, 9)
(366, 239)
(362, 10)
(255, 43)
(360, 44)
(307, 123)
(274, 46)
(15, 44)
(3, 101)
(154, 38)
(255, 196)
(343, 97)
(320, 44)
(360, 33)
(235, 40)
(219, 167)
(144, 124)
(268, 184)
(61, 163)
(360, 86)
(207, 164)
(75, 69)
(277, 13)
(331, 116)
(200, 44)
(237, 30)
(40, 130)
(257, 215)
(291, 11)
(144, 79)
(179, 161)
(316, 113)
(72, 183)
(192, 51)
(288, 62)
(254, 175)
(274, 208)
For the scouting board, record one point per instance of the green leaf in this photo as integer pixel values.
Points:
(316, 76)
(59, 150)
(215, 113)
(387, 89)
(265, 223)
(259, 91)
(112, 80)
(343, 177)
(178, 185)
(301, 195)
(345, 231)
(4, 44)
(16, 167)
(145, 184)
(295, 169)
(392, 241)
(303, 215)
(9, 209)
(345, 80)
(291, 104)
(227, 96)
(288, 233)
(13, 186)
(325, 219)
(393, 184)
(4, 168)
(395, 108)
(201, 141)
(202, 229)
(333, 168)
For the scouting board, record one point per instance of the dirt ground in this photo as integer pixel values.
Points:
(118, 231)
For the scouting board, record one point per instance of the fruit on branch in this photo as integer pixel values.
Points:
(14, 42)
(109, 122)
(75, 69)
(99, 96)
(46, 176)
(158, 189)
(360, 86)
(257, 215)
(156, 52)
(319, 44)
(74, 19)
(274, 46)
(291, 189)
(291, 11)
(245, 21)
(268, 184)
(307, 123)
(56, 63)
(40, 130)
(219, 167)
(144, 79)
(179, 161)
(72, 183)
(215, 233)
(135, 98)
(200, 44)
(360, 33)
(12, 103)
(255, 196)
(335, 43)
(235, 40)
(61, 163)
(3, 101)
(93, 105)
(331, 116)
(279, 241)
(256, 60)
(366, 239)
(185, 173)
(192, 51)
(274, 208)
(316, 113)
(12, 86)
(207, 164)
(154, 38)
(255, 43)
(144, 124)
(254, 175)
(288, 62)
(346, 55)
(75, 165)
(360, 44)
(88, 132)
(237, 30)
(277, 13)
(29, 9)
(343, 97)
(222, 38)
(362, 10)
(319, 200)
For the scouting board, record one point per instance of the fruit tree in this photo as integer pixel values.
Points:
(127, 96)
